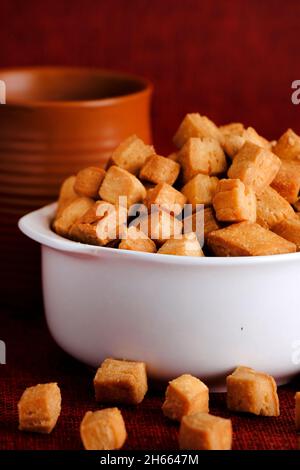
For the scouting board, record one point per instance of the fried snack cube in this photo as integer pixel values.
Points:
(136, 240)
(39, 408)
(287, 180)
(159, 169)
(70, 214)
(121, 382)
(101, 224)
(159, 225)
(165, 197)
(235, 136)
(187, 245)
(271, 208)
(297, 410)
(88, 181)
(120, 183)
(103, 430)
(200, 190)
(234, 202)
(202, 223)
(252, 392)
(185, 395)
(296, 205)
(290, 230)
(202, 431)
(255, 166)
(195, 125)
(247, 239)
(67, 194)
(288, 146)
(202, 155)
(131, 154)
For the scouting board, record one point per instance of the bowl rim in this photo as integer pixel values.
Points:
(36, 225)
(145, 82)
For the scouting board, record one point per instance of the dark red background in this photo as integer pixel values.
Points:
(230, 59)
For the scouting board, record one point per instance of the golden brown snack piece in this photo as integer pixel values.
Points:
(88, 181)
(255, 166)
(252, 392)
(235, 136)
(187, 245)
(247, 239)
(103, 430)
(202, 155)
(195, 125)
(134, 239)
(120, 183)
(202, 431)
(70, 214)
(290, 230)
(287, 180)
(159, 169)
(131, 154)
(159, 226)
(200, 190)
(67, 194)
(271, 208)
(185, 395)
(202, 223)
(296, 205)
(101, 224)
(288, 146)
(121, 382)
(39, 408)
(165, 197)
(297, 410)
(234, 202)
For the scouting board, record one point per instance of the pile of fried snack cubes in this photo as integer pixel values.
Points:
(120, 382)
(242, 190)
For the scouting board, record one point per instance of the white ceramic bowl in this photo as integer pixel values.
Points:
(202, 316)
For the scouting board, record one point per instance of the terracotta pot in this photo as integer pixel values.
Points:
(56, 121)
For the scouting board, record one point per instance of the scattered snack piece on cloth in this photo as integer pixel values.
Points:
(123, 382)
(103, 430)
(234, 202)
(247, 239)
(39, 408)
(255, 166)
(252, 392)
(202, 431)
(187, 245)
(185, 395)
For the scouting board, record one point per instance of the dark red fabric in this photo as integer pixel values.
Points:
(231, 59)
(33, 357)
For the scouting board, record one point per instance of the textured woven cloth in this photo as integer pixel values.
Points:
(33, 357)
